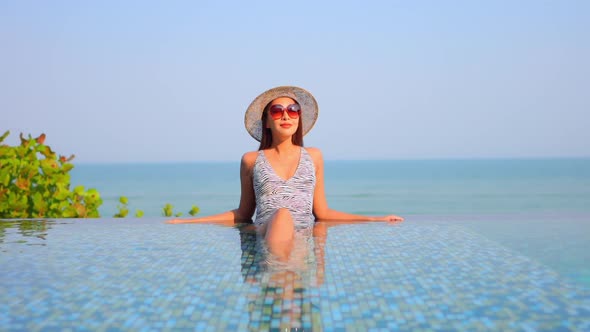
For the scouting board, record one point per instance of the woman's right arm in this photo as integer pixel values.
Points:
(247, 206)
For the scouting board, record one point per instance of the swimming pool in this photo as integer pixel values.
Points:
(426, 273)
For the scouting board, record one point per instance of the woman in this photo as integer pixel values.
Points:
(283, 181)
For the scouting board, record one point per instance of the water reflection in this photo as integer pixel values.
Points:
(285, 290)
(25, 231)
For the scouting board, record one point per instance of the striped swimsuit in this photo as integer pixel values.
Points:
(296, 194)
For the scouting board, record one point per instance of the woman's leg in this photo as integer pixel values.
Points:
(280, 231)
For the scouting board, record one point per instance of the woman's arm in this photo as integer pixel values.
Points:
(320, 205)
(247, 201)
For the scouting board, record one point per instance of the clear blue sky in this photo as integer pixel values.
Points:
(136, 81)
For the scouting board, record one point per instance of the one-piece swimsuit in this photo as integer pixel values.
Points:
(273, 192)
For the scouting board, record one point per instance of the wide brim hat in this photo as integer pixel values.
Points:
(309, 108)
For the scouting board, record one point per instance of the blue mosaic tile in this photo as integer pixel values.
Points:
(146, 275)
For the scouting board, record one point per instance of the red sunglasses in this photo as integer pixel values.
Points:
(276, 111)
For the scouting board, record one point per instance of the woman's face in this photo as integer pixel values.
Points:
(285, 126)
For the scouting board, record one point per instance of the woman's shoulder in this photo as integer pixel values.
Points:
(249, 158)
(315, 153)
(247, 163)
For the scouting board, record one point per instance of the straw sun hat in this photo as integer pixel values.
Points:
(309, 108)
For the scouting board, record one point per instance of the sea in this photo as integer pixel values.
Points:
(410, 188)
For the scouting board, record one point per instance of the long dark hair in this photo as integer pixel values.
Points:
(266, 140)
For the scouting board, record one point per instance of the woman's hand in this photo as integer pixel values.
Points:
(390, 218)
(220, 219)
(178, 221)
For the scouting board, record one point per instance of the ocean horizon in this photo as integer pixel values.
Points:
(482, 186)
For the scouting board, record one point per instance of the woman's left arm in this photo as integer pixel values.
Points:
(320, 204)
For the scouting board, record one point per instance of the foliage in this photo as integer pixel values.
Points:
(35, 183)
(168, 211)
(194, 210)
(124, 210)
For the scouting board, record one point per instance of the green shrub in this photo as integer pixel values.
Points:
(168, 211)
(194, 210)
(124, 210)
(35, 183)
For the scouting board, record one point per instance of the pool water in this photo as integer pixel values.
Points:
(423, 274)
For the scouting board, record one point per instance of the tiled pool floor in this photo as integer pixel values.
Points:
(146, 275)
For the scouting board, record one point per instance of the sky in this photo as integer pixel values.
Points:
(169, 81)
